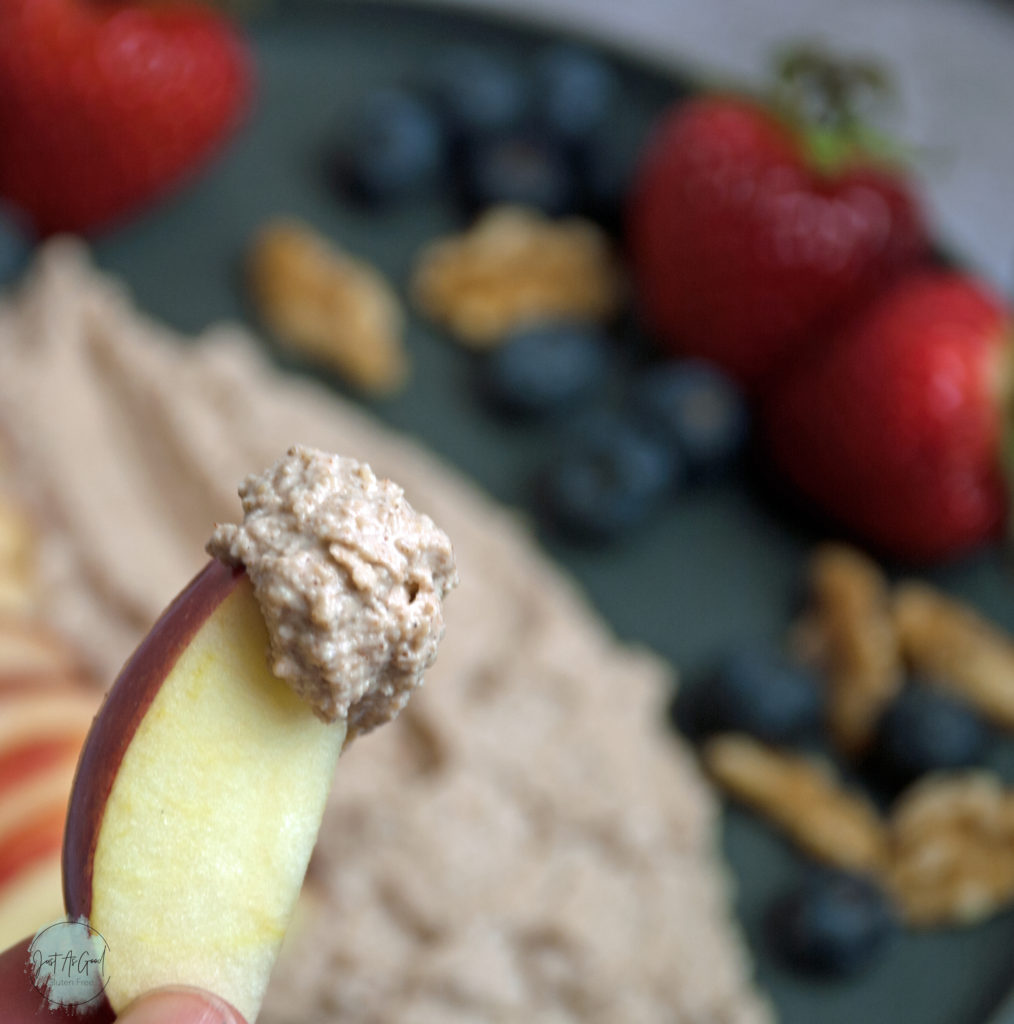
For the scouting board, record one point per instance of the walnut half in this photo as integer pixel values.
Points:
(516, 266)
(330, 306)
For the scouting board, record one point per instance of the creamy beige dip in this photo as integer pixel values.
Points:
(527, 840)
(350, 579)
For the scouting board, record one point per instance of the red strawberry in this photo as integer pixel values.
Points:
(896, 428)
(105, 105)
(744, 243)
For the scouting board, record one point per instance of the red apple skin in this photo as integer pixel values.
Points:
(13, 684)
(27, 845)
(118, 718)
(23, 1004)
(35, 756)
(43, 716)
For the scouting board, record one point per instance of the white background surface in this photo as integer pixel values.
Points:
(952, 60)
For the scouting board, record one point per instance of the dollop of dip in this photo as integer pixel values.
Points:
(350, 579)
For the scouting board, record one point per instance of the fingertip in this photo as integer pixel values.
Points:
(180, 1006)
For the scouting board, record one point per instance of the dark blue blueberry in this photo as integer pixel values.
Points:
(833, 924)
(574, 90)
(393, 149)
(610, 479)
(474, 93)
(755, 690)
(546, 368)
(522, 168)
(925, 731)
(16, 241)
(603, 174)
(697, 408)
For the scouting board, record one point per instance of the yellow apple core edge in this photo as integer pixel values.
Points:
(213, 815)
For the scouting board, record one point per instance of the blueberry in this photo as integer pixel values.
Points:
(755, 690)
(925, 731)
(474, 93)
(610, 479)
(574, 90)
(696, 407)
(523, 168)
(393, 149)
(545, 368)
(16, 241)
(603, 173)
(833, 924)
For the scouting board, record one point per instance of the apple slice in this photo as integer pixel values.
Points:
(38, 730)
(40, 792)
(32, 817)
(27, 646)
(49, 683)
(31, 840)
(23, 762)
(197, 802)
(32, 899)
(44, 713)
(41, 735)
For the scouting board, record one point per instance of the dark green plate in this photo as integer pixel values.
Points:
(719, 567)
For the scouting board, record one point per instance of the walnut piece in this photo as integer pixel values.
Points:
(945, 852)
(955, 648)
(850, 623)
(952, 850)
(516, 266)
(328, 305)
(803, 797)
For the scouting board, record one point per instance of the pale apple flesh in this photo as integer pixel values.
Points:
(40, 727)
(197, 803)
(42, 730)
(32, 897)
(31, 839)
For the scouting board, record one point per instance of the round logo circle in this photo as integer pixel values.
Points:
(67, 961)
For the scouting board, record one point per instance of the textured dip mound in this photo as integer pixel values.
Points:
(350, 580)
(526, 841)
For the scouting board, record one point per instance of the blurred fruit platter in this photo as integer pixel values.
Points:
(723, 371)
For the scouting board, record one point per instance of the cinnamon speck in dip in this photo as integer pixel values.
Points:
(350, 579)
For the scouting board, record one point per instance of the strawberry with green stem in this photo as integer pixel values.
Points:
(752, 226)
